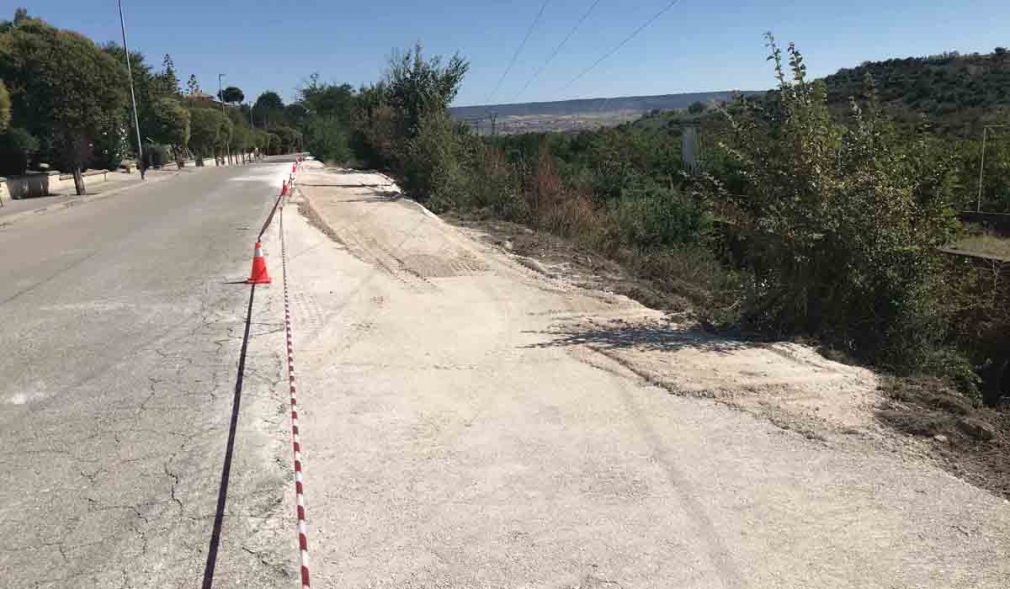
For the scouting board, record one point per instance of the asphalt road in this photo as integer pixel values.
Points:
(121, 331)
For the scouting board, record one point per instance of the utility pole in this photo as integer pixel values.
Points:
(981, 163)
(133, 97)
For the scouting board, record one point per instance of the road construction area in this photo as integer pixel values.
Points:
(467, 417)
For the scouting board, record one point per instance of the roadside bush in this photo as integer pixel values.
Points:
(650, 216)
(17, 148)
(495, 185)
(110, 149)
(841, 235)
(328, 139)
(432, 161)
(156, 156)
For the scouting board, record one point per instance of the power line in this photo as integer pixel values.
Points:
(557, 50)
(518, 51)
(621, 44)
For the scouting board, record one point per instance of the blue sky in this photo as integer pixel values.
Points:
(698, 45)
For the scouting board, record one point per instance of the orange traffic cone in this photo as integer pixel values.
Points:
(294, 167)
(259, 268)
(284, 187)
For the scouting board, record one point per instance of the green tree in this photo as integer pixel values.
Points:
(231, 95)
(296, 114)
(166, 81)
(840, 227)
(17, 148)
(192, 86)
(273, 143)
(35, 59)
(290, 139)
(697, 107)
(416, 87)
(173, 125)
(146, 92)
(328, 139)
(328, 100)
(242, 139)
(268, 109)
(205, 126)
(225, 130)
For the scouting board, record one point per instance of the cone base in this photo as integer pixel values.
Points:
(259, 274)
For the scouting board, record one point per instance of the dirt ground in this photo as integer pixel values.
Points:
(973, 442)
(476, 417)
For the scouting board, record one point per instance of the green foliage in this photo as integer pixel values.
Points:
(241, 138)
(225, 130)
(416, 87)
(296, 114)
(172, 123)
(433, 158)
(269, 100)
(5, 107)
(17, 148)
(268, 109)
(650, 216)
(328, 100)
(205, 129)
(231, 95)
(289, 140)
(840, 230)
(952, 94)
(35, 60)
(261, 140)
(111, 148)
(375, 127)
(156, 156)
(328, 139)
(696, 108)
(273, 143)
(167, 80)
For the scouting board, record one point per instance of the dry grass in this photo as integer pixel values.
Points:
(985, 244)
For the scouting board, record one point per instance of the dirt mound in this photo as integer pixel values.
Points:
(971, 440)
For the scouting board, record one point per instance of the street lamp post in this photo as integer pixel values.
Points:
(133, 97)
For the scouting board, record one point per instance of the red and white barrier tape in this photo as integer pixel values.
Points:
(303, 528)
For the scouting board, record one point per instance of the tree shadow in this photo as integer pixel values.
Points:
(379, 196)
(352, 185)
(645, 337)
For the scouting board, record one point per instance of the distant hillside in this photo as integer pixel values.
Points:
(641, 104)
(953, 93)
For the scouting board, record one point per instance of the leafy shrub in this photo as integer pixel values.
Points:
(432, 161)
(110, 149)
(156, 156)
(841, 233)
(17, 148)
(650, 216)
(328, 139)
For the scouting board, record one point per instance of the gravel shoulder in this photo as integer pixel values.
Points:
(475, 418)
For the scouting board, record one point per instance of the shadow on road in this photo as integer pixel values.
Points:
(222, 494)
(354, 185)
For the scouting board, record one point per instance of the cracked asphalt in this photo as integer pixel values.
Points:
(120, 342)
